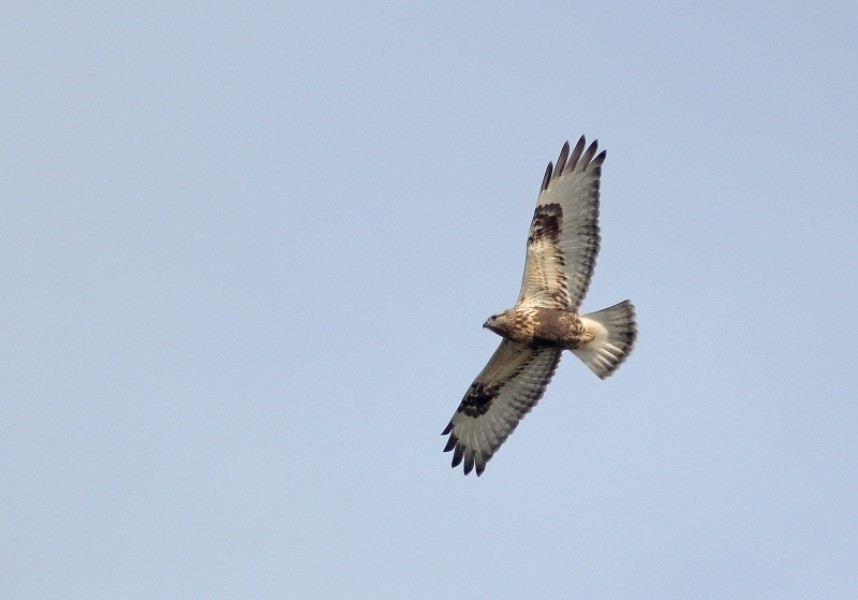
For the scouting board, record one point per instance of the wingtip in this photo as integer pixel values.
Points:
(582, 157)
(547, 179)
(576, 153)
(561, 160)
(470, 460)
(590, 153)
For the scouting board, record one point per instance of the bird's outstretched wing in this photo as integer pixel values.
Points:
(510, 385)
(564, 234)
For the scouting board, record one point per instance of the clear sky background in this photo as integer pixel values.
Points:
(247, 249)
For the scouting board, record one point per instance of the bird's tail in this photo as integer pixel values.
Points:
(614, 333)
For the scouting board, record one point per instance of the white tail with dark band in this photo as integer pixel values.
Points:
(614, 332)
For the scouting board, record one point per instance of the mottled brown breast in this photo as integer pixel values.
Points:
(556, 327)
(522, 325)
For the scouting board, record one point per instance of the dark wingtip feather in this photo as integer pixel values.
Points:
(576, 154)
(458, 455)
(590, 153)
(561, 160)
(547, 178)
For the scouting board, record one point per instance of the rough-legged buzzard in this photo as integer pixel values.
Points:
(561, 253)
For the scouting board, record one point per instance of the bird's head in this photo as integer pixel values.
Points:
(498, 322)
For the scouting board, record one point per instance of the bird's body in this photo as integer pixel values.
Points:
(561, 252)
(540, 326)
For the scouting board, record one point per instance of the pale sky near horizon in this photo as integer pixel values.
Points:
(247, 250)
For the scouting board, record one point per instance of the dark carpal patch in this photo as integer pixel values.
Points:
(478, 399)
(547, 222)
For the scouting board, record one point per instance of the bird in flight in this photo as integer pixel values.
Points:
(561, 253)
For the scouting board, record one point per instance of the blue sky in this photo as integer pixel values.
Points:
(247, 249)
